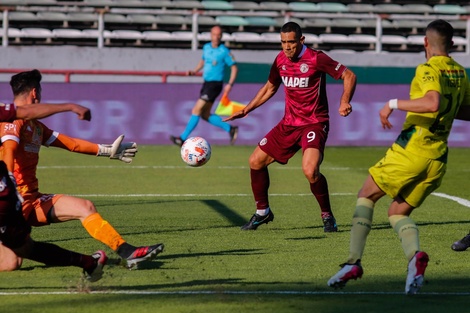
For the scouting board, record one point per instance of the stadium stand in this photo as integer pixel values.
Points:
(356, 25)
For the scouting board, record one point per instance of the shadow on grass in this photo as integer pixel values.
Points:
(236, 252)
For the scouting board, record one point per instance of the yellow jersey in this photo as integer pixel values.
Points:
(426, 134)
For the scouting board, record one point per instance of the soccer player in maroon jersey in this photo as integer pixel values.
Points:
(305, 124)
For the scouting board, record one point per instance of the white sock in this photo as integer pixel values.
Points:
(262, 212)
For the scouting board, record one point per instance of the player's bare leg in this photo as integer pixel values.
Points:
(311, 161)
(259, 162)
(9, 261)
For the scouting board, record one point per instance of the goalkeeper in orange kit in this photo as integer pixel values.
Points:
(21, 142)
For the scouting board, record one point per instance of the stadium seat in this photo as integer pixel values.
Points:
(274, 6)
(395, 40)
(311, 39)
(172, 22)
(21, 16)
(362, 38)
(182, 35)
(36, 32)
(98, 3)
(187, 4)
(146, 19)
(13, 2)
(128, 3)
(245, 5)
(82, 17)
(206, 36)
(334, 38)
(417, 8)
(216, 5)
(460, 43)
(67, 33)
(413, 26)
(127, 34)
(303, 6)
(415, 39)
(12, 32)
(225, 20)
(262, 22)
(361, 8)
(350, 23)
(39, 2)
(449, 9)
(246, 37)
(271, 38)
(332, 7)
(204, 20)
(458, 24)
(282, 21)
(157, 35)
(323, 23)
(161, 4)
(94, 33)
(115, 18)
(389, 8)
(52, 16)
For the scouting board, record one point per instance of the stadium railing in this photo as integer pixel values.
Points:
(68, 73)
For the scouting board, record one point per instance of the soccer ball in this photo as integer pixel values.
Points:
(196, 151)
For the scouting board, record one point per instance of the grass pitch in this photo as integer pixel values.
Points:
(209, 265)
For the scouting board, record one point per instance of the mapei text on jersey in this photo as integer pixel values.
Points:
(295, 81)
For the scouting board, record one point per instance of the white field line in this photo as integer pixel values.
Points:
(228, 167)
(461, 201)
(229, 292)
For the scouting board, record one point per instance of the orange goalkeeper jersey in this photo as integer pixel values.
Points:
(30, 136)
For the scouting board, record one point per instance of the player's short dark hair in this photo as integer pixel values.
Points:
(444, 29)
(25, 82)
(292, 27)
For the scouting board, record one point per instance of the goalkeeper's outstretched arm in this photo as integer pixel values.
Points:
(118, 150)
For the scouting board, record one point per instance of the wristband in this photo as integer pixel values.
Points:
(393, 104)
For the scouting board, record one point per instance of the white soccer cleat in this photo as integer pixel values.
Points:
(416, 268)
(347, 272)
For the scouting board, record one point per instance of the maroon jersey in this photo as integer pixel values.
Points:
(7, 112)
(305, 85)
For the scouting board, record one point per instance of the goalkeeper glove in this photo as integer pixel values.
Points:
(123, 151)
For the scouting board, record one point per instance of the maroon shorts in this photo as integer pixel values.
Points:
(14, 230)
(282, 142)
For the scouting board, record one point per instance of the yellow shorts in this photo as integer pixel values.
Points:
(408, 175)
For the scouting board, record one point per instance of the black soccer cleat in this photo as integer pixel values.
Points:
(256, 220)
(141, 254)
(177, 140)
(329, 224)
(462, 245)
(233, 134)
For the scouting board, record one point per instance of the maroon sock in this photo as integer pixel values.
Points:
(260, 185)
(320, 191)
(53, 255)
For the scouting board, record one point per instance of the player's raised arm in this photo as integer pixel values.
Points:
(42, 110)
(263, 95)
(349, 86)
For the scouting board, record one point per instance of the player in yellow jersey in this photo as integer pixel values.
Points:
(21, 142)
(415, 164)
